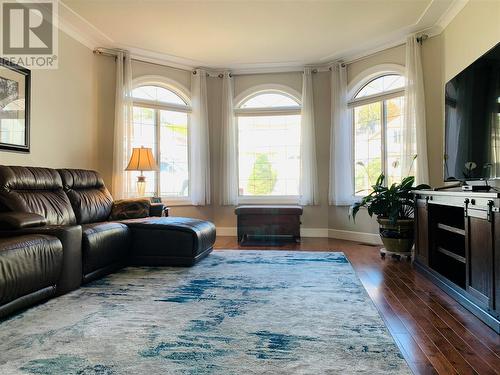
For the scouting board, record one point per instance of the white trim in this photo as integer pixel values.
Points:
(165, 82)
(360, 237)
(314, 232)
(390, 94)
(258, 89)
(363, 237)
(80, 29)
(270, 111)
(451, 13)
(370, 74)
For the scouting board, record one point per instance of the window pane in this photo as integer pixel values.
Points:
(143, 134)
(367, 146)
(157, 94)
(382, 84)
(269, 155)
(394, 135)
(174, 172)
(270, 99)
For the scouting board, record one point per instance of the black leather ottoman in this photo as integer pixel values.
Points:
(170, 241)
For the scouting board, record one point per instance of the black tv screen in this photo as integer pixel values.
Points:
(472, 121)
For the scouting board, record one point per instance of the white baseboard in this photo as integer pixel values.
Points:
(370, 238)
(363, 237)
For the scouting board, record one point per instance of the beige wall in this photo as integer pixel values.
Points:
(63, 112)
(317, 217)
(73, 110)
(472, 32)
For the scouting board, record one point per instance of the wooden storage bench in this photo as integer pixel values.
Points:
(265, 221)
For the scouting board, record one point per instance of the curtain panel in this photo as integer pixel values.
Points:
(199, 145)
(309, 191)
(341, 188)
(228, 163)
(414, 129)
(122, 125)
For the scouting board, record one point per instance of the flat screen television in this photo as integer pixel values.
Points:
(472, 121)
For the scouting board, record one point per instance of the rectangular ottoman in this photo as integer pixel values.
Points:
(266, 221)
(170, 241)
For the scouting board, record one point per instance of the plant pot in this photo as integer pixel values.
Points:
(398, 237)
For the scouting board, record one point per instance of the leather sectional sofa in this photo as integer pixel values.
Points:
(61, 228)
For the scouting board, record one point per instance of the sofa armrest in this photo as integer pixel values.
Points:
(71, 239)
(20, 220)
(156, 209)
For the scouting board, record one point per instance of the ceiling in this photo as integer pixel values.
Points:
(238, 34)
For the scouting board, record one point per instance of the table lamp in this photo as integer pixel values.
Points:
(142, 159)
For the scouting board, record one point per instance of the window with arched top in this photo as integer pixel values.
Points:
(268, 131)
(161, 122)
(378, 115)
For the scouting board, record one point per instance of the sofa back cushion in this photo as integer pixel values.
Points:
(36, 190)
(90, 199)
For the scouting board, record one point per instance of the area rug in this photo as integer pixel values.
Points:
(236, 312)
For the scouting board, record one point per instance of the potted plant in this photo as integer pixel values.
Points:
(394, 207)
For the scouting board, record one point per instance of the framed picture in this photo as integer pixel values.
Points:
(15, 87)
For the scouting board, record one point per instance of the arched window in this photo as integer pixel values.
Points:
(161, 121)
(378, 113)
(268, 122)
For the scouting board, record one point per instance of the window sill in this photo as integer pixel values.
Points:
(269, 200)
(171, 202)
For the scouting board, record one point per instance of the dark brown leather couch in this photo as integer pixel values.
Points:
(30, 268)
(73, 208)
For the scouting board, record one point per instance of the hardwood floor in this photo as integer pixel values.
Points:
(435, 334)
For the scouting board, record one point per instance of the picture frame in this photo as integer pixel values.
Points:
(15, 107)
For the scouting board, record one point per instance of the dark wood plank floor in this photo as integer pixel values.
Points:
(435, 334)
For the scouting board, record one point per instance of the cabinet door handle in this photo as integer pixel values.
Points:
(466, 206)
(489, 214)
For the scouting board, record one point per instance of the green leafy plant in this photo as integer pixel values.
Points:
(394, 203)
(263, 177)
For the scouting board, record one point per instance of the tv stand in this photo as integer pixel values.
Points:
(458, 247)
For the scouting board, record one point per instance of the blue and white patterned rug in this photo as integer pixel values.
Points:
(236, 312)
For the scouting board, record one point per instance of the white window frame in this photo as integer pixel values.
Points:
(266, 111)
(357, 84)
(184, 94)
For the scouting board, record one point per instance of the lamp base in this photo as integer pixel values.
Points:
(141, 186)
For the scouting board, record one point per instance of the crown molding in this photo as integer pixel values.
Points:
(451, 13)
(80, 29)
(432, 21)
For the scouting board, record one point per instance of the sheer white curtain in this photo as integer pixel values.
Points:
(199, 141)
(228, 165)
(123, 124)
(309, 194)
(341, 189)
(414, 129)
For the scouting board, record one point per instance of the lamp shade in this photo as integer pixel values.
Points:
(142, 159)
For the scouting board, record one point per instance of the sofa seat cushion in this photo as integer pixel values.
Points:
(104, 244)
(28, 264)
(170, 240)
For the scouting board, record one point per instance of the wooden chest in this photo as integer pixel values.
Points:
(268, 221)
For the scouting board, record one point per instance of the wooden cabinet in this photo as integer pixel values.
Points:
(422, 232)
(457, 245)
(479, 247)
